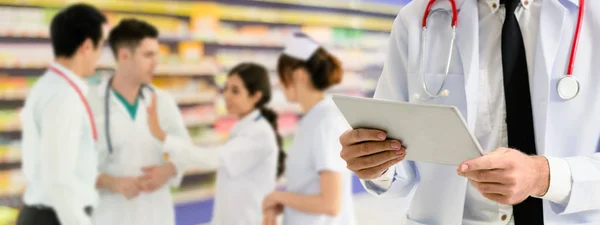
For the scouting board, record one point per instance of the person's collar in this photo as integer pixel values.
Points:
(78, 81)
(245, 121)
(317, 107)
(251, 117)
(495, 4)
(101, 87)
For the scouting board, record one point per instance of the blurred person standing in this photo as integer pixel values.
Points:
(59, 158)
(134, 175)
(319, 187)
(249, 163)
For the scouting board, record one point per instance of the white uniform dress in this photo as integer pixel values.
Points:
(316, 148)
(134, 147)
(246, 169)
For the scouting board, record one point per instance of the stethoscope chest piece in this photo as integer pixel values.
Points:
(567, 87)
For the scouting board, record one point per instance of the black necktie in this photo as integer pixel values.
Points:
(519, 116)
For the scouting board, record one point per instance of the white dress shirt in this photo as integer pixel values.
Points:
(491, 130)
(59, 158)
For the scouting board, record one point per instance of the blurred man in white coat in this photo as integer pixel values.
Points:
(524, 74)
(135, 175)
(59, 158)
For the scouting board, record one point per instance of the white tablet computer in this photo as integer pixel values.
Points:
(430, 133)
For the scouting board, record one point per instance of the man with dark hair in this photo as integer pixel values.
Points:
(134, 175)
(59, 158)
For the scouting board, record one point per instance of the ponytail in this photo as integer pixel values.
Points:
(271, 117)
(256, 79)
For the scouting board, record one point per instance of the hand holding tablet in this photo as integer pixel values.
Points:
(387, 132)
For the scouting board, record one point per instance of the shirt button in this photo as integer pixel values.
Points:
(494, 5)
(503, 217)
(526, 2)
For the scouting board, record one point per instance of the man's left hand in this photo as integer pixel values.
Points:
(507, 176)
(156, 176)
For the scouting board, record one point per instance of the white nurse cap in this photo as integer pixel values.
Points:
(301, 47)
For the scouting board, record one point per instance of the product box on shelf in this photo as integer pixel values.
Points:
(9, 120)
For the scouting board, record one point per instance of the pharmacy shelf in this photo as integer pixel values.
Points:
(204, 193)
(12, 165)
(198, 171)
(154, 7)
(193, 195)
(227, 12)
(200, 69)
(386, 9)
(45, 39)
(198, 123)
(14, 129)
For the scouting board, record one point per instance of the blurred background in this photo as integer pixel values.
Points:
(200, 42)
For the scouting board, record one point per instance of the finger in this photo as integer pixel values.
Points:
(145, 178)
(369, 148)
(268, 218)
(496, 198)
(492, 188)
(148, 169)
(374, 160)
(487, 162)
(375, 172)
(490, 176)
(360, 135)
(153, 103)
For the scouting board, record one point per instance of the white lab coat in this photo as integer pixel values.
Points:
(566, 129)
(246, 169)
(134, 147)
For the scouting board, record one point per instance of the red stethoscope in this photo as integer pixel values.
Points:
(83, 100)
(567, 87)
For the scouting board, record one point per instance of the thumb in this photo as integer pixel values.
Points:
(499, 151)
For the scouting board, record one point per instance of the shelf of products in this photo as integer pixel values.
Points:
(391, 10)
(9, 120)
(224, 11)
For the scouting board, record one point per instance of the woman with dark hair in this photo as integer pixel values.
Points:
(249, 163)
(318, 183)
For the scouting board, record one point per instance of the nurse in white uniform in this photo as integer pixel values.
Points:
(249, 163)
(319, 188)
(134, 176)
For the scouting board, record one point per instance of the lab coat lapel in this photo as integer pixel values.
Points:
(552, 17)
(467, 43)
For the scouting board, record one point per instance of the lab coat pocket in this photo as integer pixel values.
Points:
(451, 86)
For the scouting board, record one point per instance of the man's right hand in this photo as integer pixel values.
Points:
(368, 154)
(127, 186)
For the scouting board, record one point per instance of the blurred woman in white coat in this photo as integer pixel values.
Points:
(134, 176)
(318, 183)
(249, 163)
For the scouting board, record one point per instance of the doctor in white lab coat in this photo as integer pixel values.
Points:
(135, 176)
(251, 159)
(565, 173)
